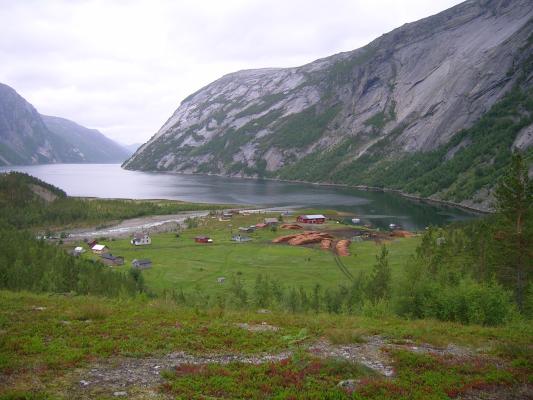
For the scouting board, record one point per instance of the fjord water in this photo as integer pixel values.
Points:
(111, 181)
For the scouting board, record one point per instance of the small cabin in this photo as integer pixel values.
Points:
(141, 264)
(311, 219)
(203, 239)
(240, 238)
(221, 279)
(110, 259)
(271, 221)
(99, 249)
(79, 249)
(141, 239)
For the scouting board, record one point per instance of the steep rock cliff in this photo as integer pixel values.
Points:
(410, 91)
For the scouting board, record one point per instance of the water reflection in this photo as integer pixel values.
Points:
(109, 180)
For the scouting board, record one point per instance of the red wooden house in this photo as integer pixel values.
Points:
(203, 239)
(311, 219)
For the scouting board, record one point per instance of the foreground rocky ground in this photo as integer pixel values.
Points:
(61, 347)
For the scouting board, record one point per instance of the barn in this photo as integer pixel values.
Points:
(311, 219)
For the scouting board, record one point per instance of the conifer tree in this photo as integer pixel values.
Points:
(379, 284)
(514, 204)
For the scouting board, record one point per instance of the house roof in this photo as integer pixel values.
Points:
(270, 220)
(99, 247)
(79, 248)
(313, 216)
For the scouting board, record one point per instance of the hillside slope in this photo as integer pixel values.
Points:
(24, 138)
(93, 145)
(408, 92)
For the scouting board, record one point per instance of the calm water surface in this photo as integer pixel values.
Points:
(111, 181)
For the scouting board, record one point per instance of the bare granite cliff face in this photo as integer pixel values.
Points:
(411, 90)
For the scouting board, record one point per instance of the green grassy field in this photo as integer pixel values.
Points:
(180, 263)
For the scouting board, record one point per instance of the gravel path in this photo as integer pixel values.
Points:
(153, 223)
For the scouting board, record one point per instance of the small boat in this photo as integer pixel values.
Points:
(356, 220)
(392, 226)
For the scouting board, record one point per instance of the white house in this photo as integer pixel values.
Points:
(99, 248)
(140, 239)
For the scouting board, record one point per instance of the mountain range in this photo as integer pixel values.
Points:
(27, 137)
(433, 108)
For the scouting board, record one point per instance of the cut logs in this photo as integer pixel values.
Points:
(303, 238)
(342, 248)
(325, 244)
(291, 226)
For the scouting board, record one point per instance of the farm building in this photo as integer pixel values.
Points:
(99, 249)
(77, 251)
(203, 239)
(240, 238)
(312, 219)
(271, 221)
(141, 264)
(140, 239)
(260, 225)
(110, 259)
(247, 229)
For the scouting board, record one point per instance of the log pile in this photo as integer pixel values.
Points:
(325, 244)
(308, 238)
(342, 247)
(283, 239)
(303, 238)
(291, 226)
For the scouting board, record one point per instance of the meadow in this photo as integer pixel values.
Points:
(180, 263)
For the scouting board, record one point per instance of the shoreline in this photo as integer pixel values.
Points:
(358, 187)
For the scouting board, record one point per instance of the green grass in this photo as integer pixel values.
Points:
(45, 337)
(182, 263)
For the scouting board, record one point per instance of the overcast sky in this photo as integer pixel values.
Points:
(124, 66)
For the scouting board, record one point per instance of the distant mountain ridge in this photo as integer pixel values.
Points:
(26, 137)
(357, 117)
(92, 144)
